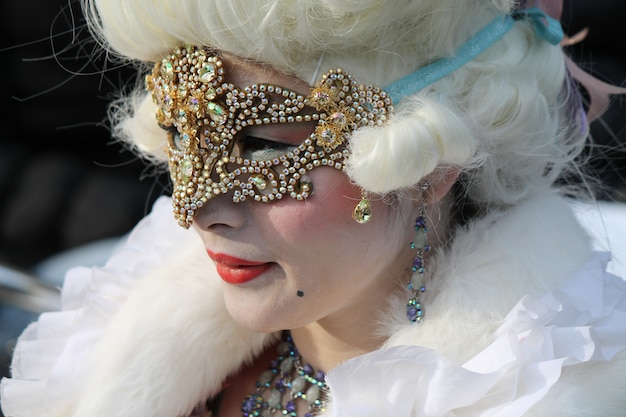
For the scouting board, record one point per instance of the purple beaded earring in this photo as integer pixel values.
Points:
(414, 309)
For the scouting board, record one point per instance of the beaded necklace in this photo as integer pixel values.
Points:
(286, 376)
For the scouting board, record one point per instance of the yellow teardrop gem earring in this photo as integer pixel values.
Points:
(363, 211)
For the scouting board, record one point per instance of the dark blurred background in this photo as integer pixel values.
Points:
(63, 181)
(65, 184)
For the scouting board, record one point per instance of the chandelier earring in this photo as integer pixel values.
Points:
(417, 285)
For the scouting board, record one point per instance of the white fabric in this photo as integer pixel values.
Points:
(49, 362)
(606, 224)
(584, 320)
(526, 250)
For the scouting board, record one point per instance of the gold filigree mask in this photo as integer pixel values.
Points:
(206, 116)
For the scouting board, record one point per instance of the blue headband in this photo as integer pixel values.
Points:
(546, 28)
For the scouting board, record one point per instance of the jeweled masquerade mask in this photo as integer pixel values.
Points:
(205, 116)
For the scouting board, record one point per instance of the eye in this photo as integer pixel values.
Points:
(260, 149)
(174, 138)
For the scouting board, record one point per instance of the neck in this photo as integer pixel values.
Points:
(344, 335)
(325, 345)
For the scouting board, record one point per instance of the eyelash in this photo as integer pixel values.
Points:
(260, 143)
(250, 147)
(253, 147)
(174, 137)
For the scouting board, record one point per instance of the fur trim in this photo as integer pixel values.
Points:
(489, 267)
(170, 346)
(160, 367)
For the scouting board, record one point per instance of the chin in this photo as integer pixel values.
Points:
(250, 317)
(263, 321)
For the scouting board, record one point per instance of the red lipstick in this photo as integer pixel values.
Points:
(238, 271)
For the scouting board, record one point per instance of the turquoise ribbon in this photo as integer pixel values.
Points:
(546, 28)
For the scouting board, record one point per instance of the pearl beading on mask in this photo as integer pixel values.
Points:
(203, 115)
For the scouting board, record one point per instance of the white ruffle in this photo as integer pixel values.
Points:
(48, 366)
(606, 224)
(584, 320)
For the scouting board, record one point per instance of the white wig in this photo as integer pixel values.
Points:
(501, 117)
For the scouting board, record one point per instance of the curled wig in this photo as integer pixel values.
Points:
(502, 117)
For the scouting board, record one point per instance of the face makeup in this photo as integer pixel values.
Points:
(238, 271)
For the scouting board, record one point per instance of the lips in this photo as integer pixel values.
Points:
(238, 271)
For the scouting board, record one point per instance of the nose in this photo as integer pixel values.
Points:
(221, 212)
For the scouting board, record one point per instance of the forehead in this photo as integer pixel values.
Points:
(246, 72)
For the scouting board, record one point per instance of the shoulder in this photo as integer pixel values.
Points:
(606, 224)
(562, 352)
(487, 267)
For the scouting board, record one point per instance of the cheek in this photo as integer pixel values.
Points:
(328, 210)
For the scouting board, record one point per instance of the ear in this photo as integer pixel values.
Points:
(440, 180)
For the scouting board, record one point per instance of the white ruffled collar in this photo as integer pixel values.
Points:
(583, 320)
(529, 250)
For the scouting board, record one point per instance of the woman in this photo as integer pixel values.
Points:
(377, 228)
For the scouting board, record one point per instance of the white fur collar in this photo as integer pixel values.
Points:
(172, 343)
(490, 265)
